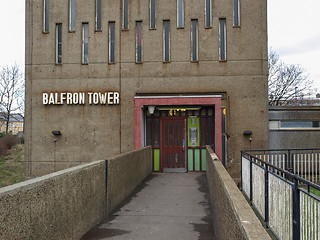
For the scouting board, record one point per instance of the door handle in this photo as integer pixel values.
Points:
(183, 144)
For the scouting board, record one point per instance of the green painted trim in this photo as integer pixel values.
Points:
(203, 159)
(196, 125)
(190, 159)
(156, 159)
(197, 159)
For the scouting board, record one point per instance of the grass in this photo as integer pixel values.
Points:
(312, 190)
(315, 192)
(12, 166)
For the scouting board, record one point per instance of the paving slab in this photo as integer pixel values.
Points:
(167, 206)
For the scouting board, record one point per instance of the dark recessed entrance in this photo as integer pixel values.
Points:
(178, 136)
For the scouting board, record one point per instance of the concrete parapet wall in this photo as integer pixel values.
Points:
(61, 205)
(233, 218)
(125, 173)
(68, 203)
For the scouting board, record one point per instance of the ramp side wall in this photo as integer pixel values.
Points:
(233, 218)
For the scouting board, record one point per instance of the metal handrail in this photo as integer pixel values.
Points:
(294, 176)
(294, 180)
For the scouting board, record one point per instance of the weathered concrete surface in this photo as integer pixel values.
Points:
(125, 173)
(67, 204)
(62, 205)
(233, 218)
(293, 138)
(167, 206)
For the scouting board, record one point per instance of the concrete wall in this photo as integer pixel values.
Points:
(125, 172)
(67, 204)
(62, 205)
(233, 218)
(95, 132)
(284, 138)
(288, 139)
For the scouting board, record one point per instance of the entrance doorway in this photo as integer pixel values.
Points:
(178, 128)
(179, 135)
(173, 144)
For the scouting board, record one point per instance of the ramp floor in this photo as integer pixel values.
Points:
(167, 206)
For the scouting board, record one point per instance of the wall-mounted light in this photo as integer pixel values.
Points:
(151, 109)
(56, 132)
(247, 133)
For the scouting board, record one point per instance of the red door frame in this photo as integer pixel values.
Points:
(177, 101)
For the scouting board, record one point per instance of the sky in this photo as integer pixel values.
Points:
(293, 32)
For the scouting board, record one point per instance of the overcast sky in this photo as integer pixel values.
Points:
(293, 32)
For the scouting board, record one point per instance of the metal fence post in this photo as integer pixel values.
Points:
(266, 188)
(286, 161)
(290, 161)
(296, 210)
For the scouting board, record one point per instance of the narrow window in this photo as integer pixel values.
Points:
(98, 15)
(125, 14)
(166, 41)
(58, 43)
(222, 40)
(72, 15)
(85, 42)
(152, 14)
(208, 13)
(139, 41)
(180, 14)
(194, 40)
(46, 4)
(111, 42)
(236, 13)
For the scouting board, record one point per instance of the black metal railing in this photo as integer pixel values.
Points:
(302, 162)
(287, 202)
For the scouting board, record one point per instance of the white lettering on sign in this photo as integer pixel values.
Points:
(81, 98)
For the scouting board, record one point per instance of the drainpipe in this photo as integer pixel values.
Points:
(120, 117)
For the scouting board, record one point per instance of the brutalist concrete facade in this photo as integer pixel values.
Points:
(97, 131)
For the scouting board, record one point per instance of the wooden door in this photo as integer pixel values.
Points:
(173, 143)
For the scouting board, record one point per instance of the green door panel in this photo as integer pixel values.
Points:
(190, 159)
(193, 123)
(197, 159)
(156, 157)
(203, 159)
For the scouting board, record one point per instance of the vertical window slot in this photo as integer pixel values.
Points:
(222, 40)
(112, 42)
(236, 13)
(139, 41)
(152, 13)
(180, 14)
(194, 40)
(46, 4)
(58, 43)
(72, 15)
(208, 13)
(98, 15)
(85, 43)
(166, 41)
(125, 14)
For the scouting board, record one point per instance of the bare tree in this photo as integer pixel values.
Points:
(286, 82)
(11, 91)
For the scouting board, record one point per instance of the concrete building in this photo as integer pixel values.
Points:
(294, 127)
(111, 76)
